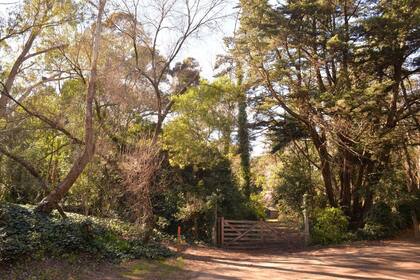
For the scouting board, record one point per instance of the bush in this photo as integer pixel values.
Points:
(371, 231)
(26, 233)
(381, 223)
(330, 227)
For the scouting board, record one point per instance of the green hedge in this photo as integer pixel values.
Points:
(24, 233)
(330, 227)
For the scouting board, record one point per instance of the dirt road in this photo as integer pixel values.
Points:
(373, 260)
(369, 260)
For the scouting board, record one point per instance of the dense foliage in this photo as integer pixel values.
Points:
(330, 226)
(24, 233)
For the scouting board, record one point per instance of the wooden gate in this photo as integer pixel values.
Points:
(246, 234)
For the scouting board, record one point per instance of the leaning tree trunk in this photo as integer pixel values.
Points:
(52, 199)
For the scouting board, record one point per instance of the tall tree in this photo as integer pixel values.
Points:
(51, 200)
(244, 147)
(146, 24)
(329, 66)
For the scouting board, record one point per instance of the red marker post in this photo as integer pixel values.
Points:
(178, 246)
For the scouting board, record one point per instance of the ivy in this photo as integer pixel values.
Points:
(24, 233)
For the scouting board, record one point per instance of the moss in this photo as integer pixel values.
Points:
(161, 269)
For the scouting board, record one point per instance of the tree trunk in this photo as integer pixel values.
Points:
(412, 185)
(356, 213)
(415, 223)
(345, 180)
(320, 143)
(158, 129)
(31, 170)
(14, 71)
(327, 178)
(49, 202)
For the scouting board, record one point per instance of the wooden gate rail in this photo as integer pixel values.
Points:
(244, 234)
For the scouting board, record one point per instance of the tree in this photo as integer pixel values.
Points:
(51, 200)
(146, 23)
(202, 154)
(36, 25)
(243, 136)
(231, 65)
(38, 18)
(331, 75)
(204, 124)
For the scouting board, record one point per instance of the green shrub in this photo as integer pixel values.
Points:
(381, 223)
(330, 227)
(381, 213)
(25, 233)
(371, 231)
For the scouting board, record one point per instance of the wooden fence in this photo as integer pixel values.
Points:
(246, 234)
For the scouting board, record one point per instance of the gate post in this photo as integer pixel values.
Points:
(214, 229)
(222, 230)
(306, 220)
(262, 229)
(218, 232)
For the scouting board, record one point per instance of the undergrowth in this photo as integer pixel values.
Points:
(25, 233)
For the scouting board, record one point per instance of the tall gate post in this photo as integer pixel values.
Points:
(214, 229)
(262, 231)
(306, 220)
(222, 231)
